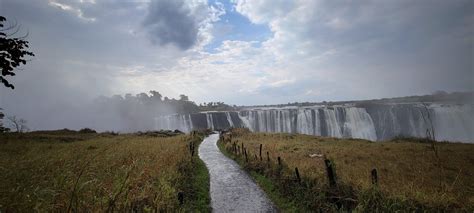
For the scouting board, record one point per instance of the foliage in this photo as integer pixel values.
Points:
(410, 176)
(197, 184)
(12, 51)
(2, 128)
(216, 106)
(98, 172)
(87, 130)
(153, 104)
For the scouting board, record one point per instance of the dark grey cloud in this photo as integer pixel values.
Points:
(171, 22)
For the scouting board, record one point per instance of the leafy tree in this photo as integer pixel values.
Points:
(183, 97)
(143, 98)
(156, 95)
(12, 51)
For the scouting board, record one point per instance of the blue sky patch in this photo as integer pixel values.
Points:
(233, 26)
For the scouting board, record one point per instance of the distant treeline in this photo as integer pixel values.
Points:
(140, 112)
(438, 97)
(155, 104)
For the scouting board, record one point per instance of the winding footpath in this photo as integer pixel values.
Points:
(232, 190)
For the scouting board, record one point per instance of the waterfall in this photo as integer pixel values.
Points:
(454, 122)
(210, 121)
(229, 119)
(246, 122)
(372, 122)
(332, 125)
(359, 124)
(304, 123)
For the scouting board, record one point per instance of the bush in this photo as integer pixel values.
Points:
(87, 130)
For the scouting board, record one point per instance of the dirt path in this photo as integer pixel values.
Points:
(232, 190)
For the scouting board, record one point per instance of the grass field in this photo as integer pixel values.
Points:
(411, 175)
(72, 171)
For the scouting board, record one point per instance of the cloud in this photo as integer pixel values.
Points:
(72, 9)
(370, 49)
(316, 51)
(76, 60)
(181, 23)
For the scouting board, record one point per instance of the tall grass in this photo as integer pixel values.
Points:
(67, 171)
(409, 175)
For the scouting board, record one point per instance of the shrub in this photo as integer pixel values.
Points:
(87, 130)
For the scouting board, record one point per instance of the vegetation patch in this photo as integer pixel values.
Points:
(101, 172)
(410, 176)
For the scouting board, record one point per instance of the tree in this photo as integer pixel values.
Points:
(155, 95)
(13, 51)
(183, 97)
(18, 123)
(143, 97)
(2, 128)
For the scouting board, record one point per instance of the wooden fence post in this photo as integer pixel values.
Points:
(181, 198)
(375, 178)
(297, 175)
(330, 172)
(280, 167)
(191, 148)
(261, 152)
(246, 157)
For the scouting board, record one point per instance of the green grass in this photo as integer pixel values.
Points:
(197, 184)
(411, 177)
(72, 171)
(283, 204)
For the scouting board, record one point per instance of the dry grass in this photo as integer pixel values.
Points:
(407, 170)
(94, 172)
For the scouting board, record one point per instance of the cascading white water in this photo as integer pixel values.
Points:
(210, 121)
(186, 124)
(304, 123)
(229, 119)
(359, 124)
(333, 129)
(455, 122)
(379, 122)
(246, 122)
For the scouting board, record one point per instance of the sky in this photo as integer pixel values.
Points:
(243, 52)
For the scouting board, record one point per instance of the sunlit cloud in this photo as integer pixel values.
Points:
(78, 12)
